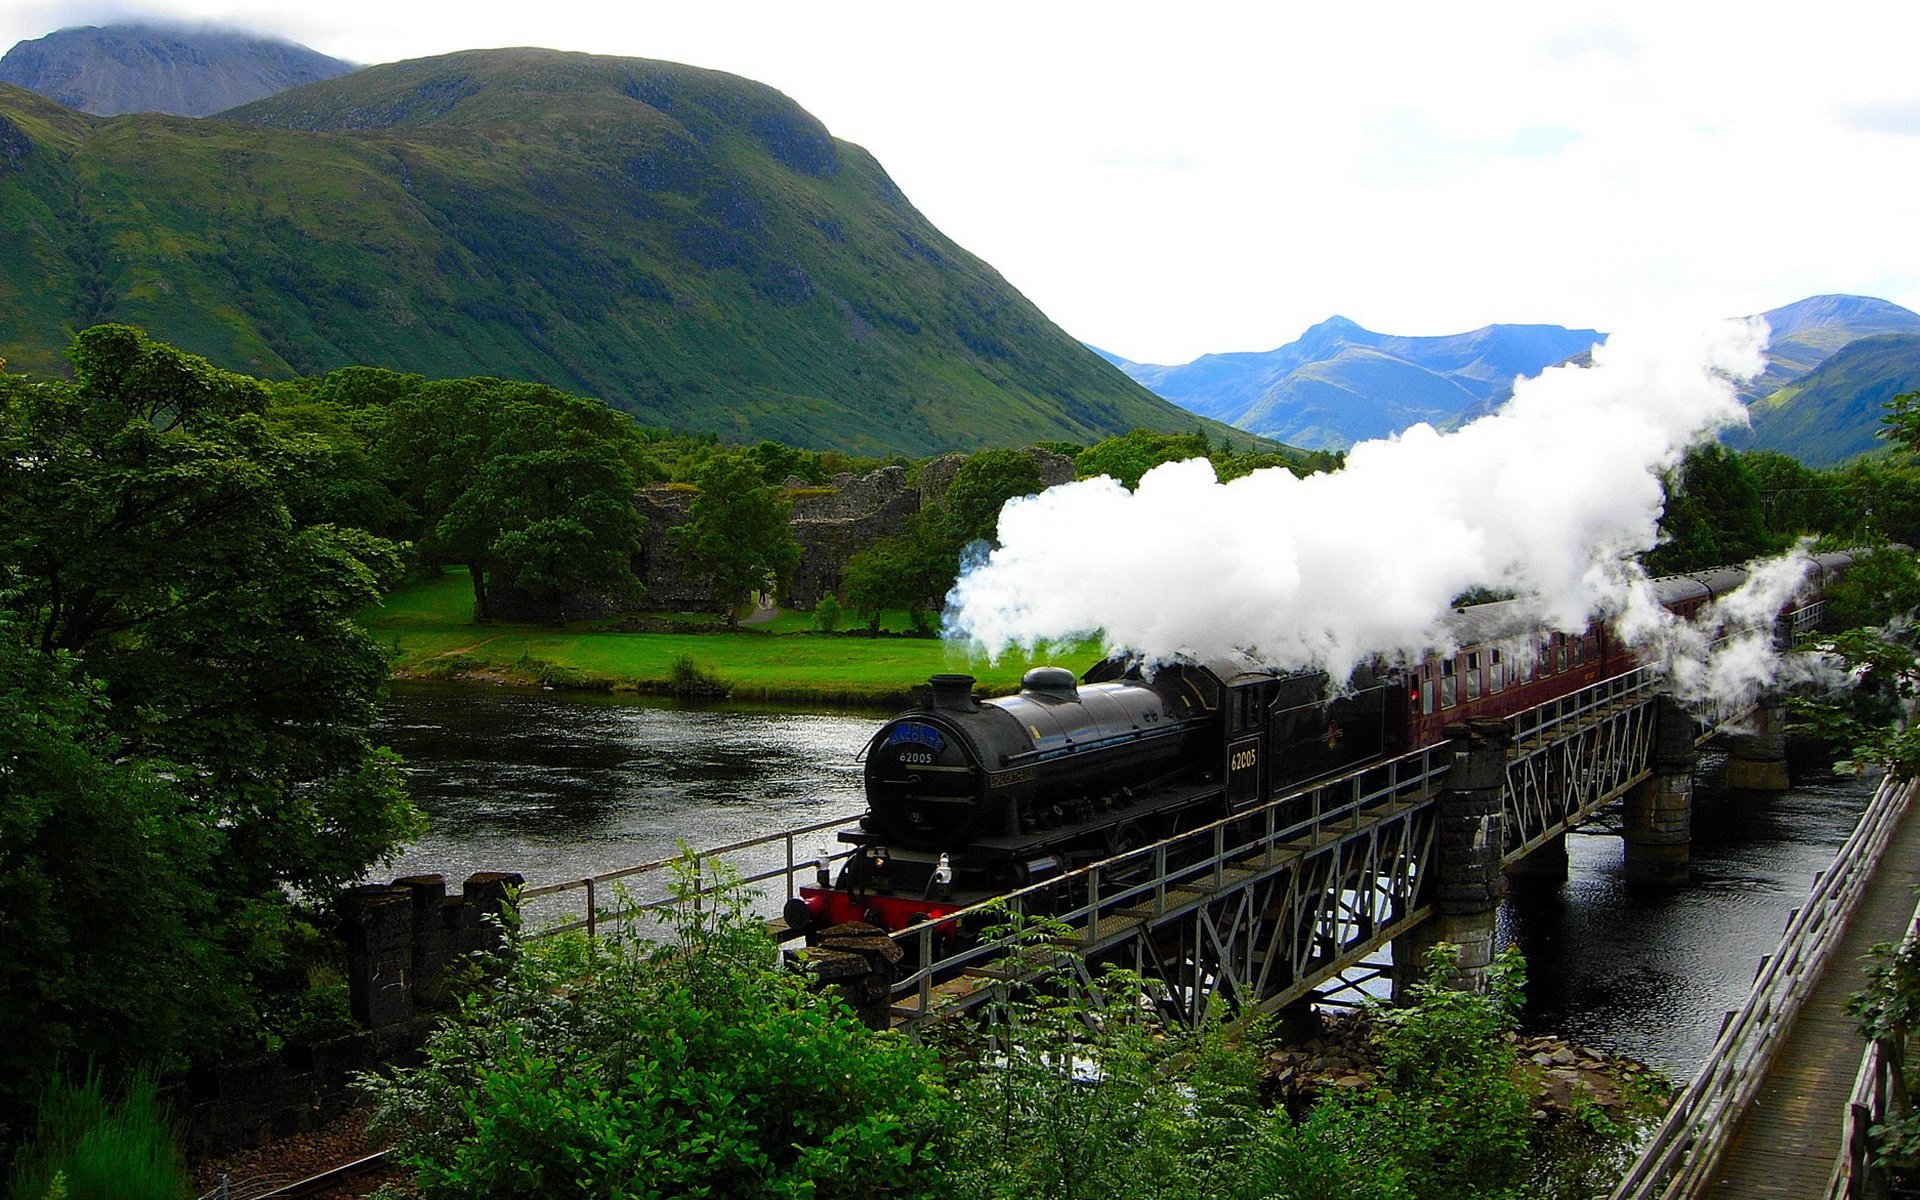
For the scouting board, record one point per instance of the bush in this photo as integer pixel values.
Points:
(688, 678)
(693, 1067)
(827, 614)
(88, 1147)
(1451, 1111)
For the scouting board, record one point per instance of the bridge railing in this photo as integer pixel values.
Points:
(790, 856)
(1678, 1160)
(1549, 721)
(1854, 1176)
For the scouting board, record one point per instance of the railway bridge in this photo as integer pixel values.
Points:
(1317, 893)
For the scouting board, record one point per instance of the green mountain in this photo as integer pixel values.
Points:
(1833, 412)
(685, 244)
(1807, 333)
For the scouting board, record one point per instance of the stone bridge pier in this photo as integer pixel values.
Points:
(1468, 882)
(1659, 811)
(1759, 759)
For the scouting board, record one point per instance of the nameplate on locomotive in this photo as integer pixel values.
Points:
(914, 733)
(1000, 779)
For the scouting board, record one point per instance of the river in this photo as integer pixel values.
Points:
(558, 786)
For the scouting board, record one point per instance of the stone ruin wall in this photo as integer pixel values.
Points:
(831, 523)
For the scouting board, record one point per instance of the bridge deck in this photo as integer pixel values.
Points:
(1791, 1134)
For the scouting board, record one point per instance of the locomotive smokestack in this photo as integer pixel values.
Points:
(953, 691)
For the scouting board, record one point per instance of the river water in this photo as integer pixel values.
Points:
(560, 786)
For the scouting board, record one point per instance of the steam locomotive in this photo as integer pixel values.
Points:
(968, 798)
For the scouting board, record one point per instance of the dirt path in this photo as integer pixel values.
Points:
(467, 649)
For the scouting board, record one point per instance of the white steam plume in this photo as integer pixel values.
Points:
(1549, 499)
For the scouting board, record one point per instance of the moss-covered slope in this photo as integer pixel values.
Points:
(685, 244)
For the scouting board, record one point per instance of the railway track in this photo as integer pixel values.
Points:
(333, 1181)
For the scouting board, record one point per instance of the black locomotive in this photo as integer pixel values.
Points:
(970, 798)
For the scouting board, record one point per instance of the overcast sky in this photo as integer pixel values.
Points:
(1171, 179)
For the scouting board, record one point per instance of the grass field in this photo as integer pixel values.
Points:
(429, 624)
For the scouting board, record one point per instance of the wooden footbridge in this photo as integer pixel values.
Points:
(1783, 1103)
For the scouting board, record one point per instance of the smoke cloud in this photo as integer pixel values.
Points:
(1548, 499)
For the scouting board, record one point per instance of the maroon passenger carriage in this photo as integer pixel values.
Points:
(968, 799)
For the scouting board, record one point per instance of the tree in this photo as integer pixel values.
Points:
(1127, 457)
(145, 529)
(185, 710)
(1713, 514)
(893, 574)
(970, 509)
(737, 534)
(527, 486)
(107, 892)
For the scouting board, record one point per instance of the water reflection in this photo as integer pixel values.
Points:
(557, 788)
(1651, 973)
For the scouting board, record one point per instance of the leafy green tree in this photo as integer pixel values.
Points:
(185, 710)
(546, 523)
(1127, 457)
(1796, 499)
(1713, 514)
(893, 574)
(145, 529)
(737, 534)
(690, 1067)
(107, 892)
(1902, 422)
(970, 509)
(966, 514)
(527, 486)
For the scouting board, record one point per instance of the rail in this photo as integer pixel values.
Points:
(1874, 1088)
(609, 896)
(1678, 1160)
(1546, 722)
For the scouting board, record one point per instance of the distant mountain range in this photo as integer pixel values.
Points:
(685, 244)
(1832, 362)
(1340, 384)
(190, 72)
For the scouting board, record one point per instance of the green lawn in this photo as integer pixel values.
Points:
(430, 626)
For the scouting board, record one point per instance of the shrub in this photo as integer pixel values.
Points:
(827, 614)
(87, 1146)
(688, 678)
(691, 1067)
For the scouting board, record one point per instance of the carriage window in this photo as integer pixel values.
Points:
(1496, 672)
(1449, 695)
(1579, 650)
(1560, 645)
(1426, 695)
(1473, 676)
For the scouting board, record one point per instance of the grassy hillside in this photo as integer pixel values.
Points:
(688, 245)
(1835, 412)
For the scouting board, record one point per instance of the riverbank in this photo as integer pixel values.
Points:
(429, 626)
